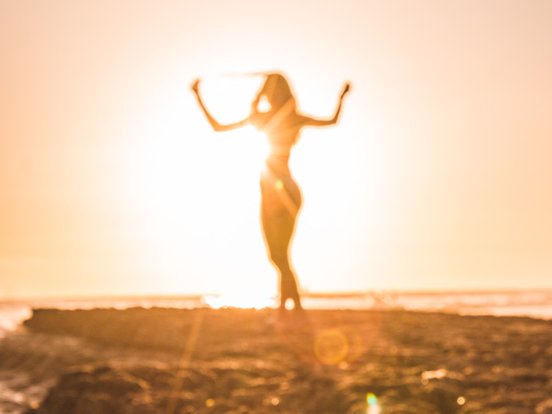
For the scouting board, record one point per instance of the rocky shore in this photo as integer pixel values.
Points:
(149, 361)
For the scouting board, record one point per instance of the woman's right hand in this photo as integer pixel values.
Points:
(195, 86)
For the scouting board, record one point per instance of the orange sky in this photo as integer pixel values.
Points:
(437, 177)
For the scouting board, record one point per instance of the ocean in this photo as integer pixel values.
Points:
(531, 303)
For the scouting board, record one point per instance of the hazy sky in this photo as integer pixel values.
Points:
(438, 176)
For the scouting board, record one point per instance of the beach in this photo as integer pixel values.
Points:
(162, 360)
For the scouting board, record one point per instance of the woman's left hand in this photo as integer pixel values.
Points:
(346, 89)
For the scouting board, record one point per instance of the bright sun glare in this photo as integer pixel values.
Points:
(229, 99)
(193, 197)
(239, 300)
(187, 182)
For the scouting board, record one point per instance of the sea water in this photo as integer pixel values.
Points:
(535, 304)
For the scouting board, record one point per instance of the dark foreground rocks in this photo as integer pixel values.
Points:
(245, 361)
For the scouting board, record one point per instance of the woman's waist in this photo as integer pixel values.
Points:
(278, 159)
(279, 167)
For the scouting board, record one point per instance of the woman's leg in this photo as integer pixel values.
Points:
(278, 230)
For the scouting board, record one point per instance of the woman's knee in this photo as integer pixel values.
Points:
(278, 258)
(278, 255)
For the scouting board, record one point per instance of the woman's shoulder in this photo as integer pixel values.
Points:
(301, 119)
(258, 119)
(289, 123)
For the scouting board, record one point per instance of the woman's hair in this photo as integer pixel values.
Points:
(277, 92)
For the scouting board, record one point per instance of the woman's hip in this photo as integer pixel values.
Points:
(280, 192)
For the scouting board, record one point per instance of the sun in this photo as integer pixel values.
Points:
(190, 193)
(229, 100)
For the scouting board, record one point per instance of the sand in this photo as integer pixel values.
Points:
(146, 361)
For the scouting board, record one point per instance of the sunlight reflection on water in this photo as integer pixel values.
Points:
(239, 301)
(537, 304)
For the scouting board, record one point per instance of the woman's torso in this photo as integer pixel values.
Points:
(279, 189)
(282, 134)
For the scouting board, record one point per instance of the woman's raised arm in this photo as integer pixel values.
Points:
(214, 123)
(308, 121)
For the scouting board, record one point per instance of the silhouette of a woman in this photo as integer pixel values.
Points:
(280, 195)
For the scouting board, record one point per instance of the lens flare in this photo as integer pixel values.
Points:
(331, 346)
(373, 406)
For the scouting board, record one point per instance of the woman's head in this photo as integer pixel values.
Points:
(277, 92)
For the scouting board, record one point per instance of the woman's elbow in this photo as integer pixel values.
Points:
(217, 127)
